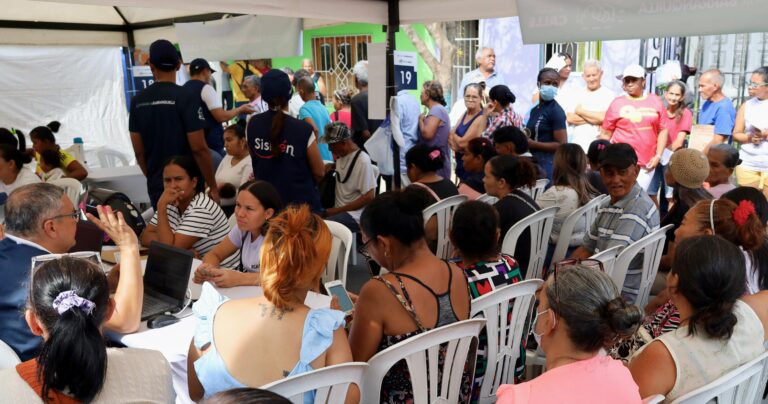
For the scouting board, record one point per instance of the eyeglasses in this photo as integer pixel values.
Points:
(373, 266)
(756, 85)
(39, 260)
(590, 263)
(74, 215)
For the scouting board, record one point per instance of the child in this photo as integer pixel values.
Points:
(50, 163)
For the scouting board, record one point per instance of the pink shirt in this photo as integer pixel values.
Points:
(594, 381)
(635, 121)
(674, 127)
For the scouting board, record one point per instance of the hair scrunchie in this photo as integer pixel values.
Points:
(743, 211)
(66, 300)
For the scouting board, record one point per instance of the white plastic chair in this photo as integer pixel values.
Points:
(651, 246)
(537, 189)
(8, 357)
(504, 336)
(232, 220)
(608, 258)
(654, 399)
(741, 385)
(540, 224)
(329, 383)
(589, 212)
(457, 337)
(340, 250)
(443, 210)
(111, 158)
(489, 199)
(72, 187)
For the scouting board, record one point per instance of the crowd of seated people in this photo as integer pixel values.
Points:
(703, 320)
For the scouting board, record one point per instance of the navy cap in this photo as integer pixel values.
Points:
(197, 65)
(163, 55)
(618, 155)
(275, 83)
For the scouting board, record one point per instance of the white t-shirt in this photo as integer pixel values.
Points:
(133, 376)
(360, 182)
(203, 219)
(53, 175)
(25, 176)
(251, 252)
(755, 116)
(259, 106)
(598, 100)
(210, 98)
(236, 175)
(294, 105)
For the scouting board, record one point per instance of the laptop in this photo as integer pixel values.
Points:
(88, 237)
(165, 279)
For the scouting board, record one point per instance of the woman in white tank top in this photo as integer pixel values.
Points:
(751, 130)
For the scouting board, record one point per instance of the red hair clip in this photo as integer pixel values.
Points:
(743, 211)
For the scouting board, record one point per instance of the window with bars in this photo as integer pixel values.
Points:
(335, 57)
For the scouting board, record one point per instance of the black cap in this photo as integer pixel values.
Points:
(275, 83)
(197, 65)
(618, 155)
(513, 134)
(593, 154)
(163, 55)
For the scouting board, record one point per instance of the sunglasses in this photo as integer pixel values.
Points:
(756, 85)
(39, 260)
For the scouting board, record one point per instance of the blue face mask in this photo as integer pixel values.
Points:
(548, 93)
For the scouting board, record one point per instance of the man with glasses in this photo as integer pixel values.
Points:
(626, 217)
(39, 219)
(717, 110)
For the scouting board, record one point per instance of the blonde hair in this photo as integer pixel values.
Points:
(295, 251)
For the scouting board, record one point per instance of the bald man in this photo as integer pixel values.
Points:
(717, 109)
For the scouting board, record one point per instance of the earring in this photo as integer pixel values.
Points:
(386, 253)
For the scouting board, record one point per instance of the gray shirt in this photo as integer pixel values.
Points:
(628, 220)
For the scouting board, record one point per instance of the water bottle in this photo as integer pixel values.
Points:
(77, 150)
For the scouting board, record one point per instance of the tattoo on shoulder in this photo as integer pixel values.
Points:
(273, 311)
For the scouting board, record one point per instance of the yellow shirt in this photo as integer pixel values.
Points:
(66, 160)
(236, 71)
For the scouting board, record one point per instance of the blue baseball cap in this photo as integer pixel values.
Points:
(163, 55)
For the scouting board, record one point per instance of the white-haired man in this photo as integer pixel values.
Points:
(587, 115)
(486, 71)
(717, 109)
(362, 126)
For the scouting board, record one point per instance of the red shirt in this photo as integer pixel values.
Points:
(674, 127)
(344, 116)
(636, 121)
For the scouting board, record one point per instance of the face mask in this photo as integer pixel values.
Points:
(537, 336)
(548, 93)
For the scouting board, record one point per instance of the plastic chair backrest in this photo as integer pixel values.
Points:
(540, 223)
(489, 199)
(537, 189)
(110, 158)
(741, 385)
(651, 246)
(608, 258)
(232, 221)
(654, 399)
(340, 249)
(456, 337)
(588, 212)
(329, 383)
(504, 332)
(72, 187)
(8, 357)
(443, 210)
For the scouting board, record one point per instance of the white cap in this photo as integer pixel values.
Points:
(633, 71)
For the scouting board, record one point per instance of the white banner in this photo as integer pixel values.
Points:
(575, 21)
(243, 37)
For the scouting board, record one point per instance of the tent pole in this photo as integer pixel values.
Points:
(392, 27)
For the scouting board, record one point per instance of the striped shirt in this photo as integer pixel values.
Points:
(628, 220)
(203, 219)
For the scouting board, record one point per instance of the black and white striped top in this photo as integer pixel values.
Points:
(204, 219)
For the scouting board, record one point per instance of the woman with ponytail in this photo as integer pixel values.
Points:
(580, 312)
(43, 139)
(69, 303)
(419, 293)
(284, 150)
(13, 172)
(718, 332)
(252, 342)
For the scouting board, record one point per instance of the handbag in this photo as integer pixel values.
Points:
(327, 185)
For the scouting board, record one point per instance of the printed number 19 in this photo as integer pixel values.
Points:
(405, 77)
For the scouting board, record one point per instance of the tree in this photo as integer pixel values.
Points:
(442, 69)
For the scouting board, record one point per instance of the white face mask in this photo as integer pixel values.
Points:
(537, 336)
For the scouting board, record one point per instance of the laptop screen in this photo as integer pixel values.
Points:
(88, 237)
(168, 270)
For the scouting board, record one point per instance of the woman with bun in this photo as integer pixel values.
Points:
(435, 126)
(718, 332)
(499, 110)
(419, 293)
(478, 151)
(255, 341)
(580, 312)
(13, 172)
(43, 139)
(424, 163)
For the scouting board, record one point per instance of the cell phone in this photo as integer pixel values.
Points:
(336, 288)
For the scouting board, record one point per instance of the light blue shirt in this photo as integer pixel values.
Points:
(408, 110)
(475, 76)
(316, 110)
